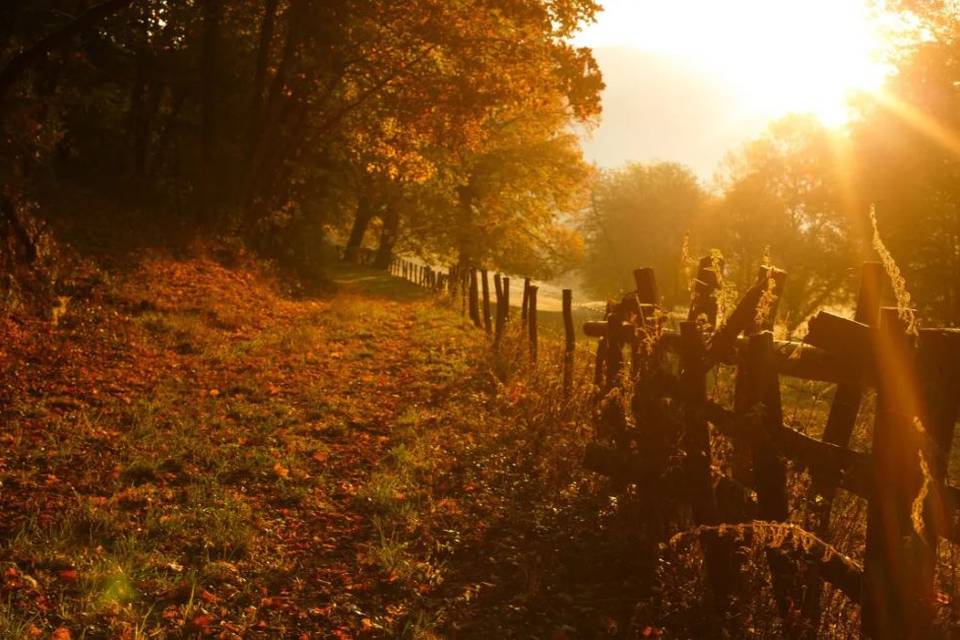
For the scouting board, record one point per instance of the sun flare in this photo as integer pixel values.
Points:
(775, 56)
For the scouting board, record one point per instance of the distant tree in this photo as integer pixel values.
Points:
(908, 151)
(784, 201)
(638, 217)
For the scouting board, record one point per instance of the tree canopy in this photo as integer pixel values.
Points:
(270, 118)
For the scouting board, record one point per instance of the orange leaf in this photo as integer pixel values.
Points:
(62, 633)
(201, 620)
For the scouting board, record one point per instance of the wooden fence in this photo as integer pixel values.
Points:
(472, 286)
(665, 448)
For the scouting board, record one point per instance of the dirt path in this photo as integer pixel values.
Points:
(190, 452)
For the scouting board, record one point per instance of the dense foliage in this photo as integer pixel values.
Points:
(285, 120)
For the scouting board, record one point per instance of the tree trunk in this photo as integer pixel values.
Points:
(389, 235)
(266, 134)
(209, 108)
(267, 24)
(360, 223)
(144, 99)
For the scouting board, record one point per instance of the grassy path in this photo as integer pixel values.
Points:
(193, 452)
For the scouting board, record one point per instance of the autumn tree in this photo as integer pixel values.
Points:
(269, 117)
(784, 201)
(478, 98)
(514, 195)
(638, 216)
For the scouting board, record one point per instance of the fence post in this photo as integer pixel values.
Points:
(503, 314)
(613, 347)
(599, 361)
(474, 301)
(569, 343)
(703, 301)
(769, 468)
(723, 580)
(487, 324)
(742, 458)
(526, 297)
(506, 300)
(938, 358)
(498, 324)
(532, 320)
(896, 602)
(646, 282)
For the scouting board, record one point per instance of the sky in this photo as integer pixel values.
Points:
(690, 80)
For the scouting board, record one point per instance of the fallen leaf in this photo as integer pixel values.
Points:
(201, 620)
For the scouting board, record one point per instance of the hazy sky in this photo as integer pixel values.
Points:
(689, 80)
(658, 108)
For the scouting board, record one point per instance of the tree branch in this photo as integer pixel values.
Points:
(19, 64)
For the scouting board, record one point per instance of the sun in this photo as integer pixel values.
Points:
(776, 56)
